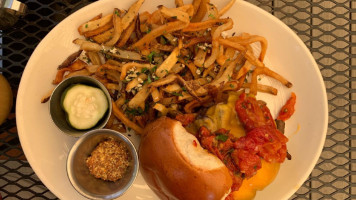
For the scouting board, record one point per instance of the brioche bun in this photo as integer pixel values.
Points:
(175, 166)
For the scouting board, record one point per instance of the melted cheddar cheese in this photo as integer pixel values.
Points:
(263, 177)
(224, 116)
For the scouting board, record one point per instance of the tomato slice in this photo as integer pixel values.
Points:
(247, 161)
(253, 113)
(273, 148)
(288, 109)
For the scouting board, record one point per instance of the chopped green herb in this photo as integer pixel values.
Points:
(108, 56)
(177, 94)
(117, 13)
(150, 56)
(144, 70)
(184, 89)
(211, 16)
(154, 69)
(232, 86)
(186, 59)
(196, 47)
(148, 30)
(149, 79)
(133, 111)
(174, 17)
(222, 138)
(86, 25)
(163, 40)
(229, 77)
(156, 78)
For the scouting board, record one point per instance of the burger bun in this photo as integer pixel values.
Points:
(175, 166)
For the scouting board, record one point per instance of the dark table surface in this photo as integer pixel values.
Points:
(328, 28)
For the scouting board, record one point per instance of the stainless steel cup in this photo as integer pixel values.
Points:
(10, 10)
(58, 114)
(79, 175)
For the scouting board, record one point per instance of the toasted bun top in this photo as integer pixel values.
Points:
(175, 166)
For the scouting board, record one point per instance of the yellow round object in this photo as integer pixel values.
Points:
(5, 99)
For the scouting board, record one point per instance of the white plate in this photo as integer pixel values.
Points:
(46, 148)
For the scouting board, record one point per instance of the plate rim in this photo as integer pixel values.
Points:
(51, 187)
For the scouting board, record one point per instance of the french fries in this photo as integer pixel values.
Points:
(127, 34)
(198, 26)
(131, 14)
(138, 101)
(179, 3)
(121, 116)
(103, 36)
(118, 28)
(164, 29)
(200, 11)
(215, 49)
(226, 8)
(167, 62)
(95, 24)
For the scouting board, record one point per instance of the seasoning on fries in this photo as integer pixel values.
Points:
(174, 62)
(167, 62)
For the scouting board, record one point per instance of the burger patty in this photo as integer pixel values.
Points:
(109, 160)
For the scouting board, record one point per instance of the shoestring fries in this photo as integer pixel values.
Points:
(173, 61)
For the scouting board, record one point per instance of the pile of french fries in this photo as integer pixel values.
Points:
(173, 61)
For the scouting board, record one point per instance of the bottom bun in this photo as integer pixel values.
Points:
(175, 166)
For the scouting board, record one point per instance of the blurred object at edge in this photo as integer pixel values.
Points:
(10, 11)
(6, 99)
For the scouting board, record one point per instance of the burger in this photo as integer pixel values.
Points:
(175, 166)
(229, 156)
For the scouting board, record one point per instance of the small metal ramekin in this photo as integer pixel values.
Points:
(85, 183)
(58, 114)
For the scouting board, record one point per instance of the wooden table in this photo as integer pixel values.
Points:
(328, 28)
